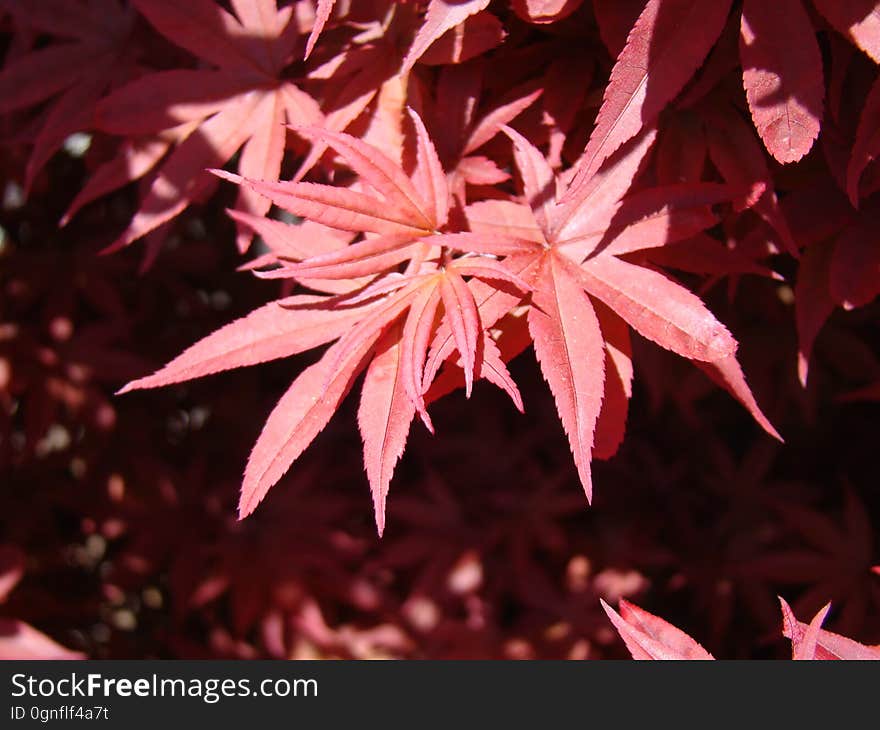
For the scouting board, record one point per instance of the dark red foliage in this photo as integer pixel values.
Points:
(660, 199)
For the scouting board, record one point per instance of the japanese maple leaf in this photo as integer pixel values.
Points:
(449, 536)
(478, 34)
(687, 142)
(300, 525)
(369, 326)
(441, 16)
(528, 507)
(529, 529)
(830, 557)
(810, 641)
(322, 15)
(572, 254)
(650, 637)
(664, 49)
(566, 84)
(459, 135)
(782, 77)
(381, 74)
(782, 74)
(360, 81)
(735, 151)
(133, 160)
(239, 100)
(91, 52)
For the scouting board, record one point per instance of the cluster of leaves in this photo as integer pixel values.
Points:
(440, 186)
(650, 637)
(130, 516)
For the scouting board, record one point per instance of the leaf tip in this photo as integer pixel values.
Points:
(379, 510)
(803, 368)
(246, 505)
(586, 477)
(310, 46)
(426, 419)
(225, 175)
(468, 382)
(117, 245)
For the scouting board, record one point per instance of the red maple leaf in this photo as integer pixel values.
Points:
(573, 254)
(650, 637)
(569, 252)
(459, 136)
(830, 557)
(441, 18)
(92, 51)
(239, 100)
(781, 71)
(368, 325)
(812, 642)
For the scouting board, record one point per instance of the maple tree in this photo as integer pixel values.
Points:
(661, 199)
